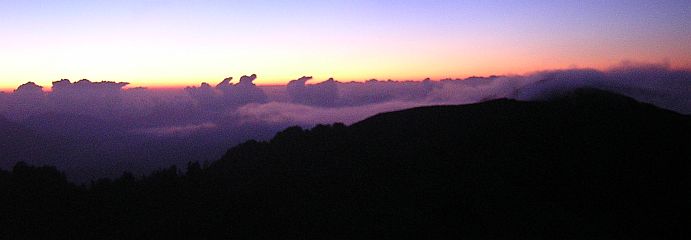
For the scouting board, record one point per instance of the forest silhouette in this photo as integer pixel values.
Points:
(584, 164)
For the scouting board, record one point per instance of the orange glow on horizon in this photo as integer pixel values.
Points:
(151, 45)
(509, 67)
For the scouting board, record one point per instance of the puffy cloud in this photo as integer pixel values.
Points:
(475, 89)
(184, 130)
(206, 96)
(331, 93)
(103, 99)
(225, 83)
(228, 95)
(243, 92)
(29, 89)
(291, 113)
(652, 83)
(375, 91)
(320, 94)
(4, 98)
(28, 99)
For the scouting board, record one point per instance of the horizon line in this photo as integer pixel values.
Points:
(176, 86)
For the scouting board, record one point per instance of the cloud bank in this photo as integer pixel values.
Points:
(330, 100)
(652, 83)
(96, 119)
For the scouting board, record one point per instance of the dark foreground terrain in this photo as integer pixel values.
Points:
(587, 165)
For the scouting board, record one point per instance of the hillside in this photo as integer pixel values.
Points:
(588, 164)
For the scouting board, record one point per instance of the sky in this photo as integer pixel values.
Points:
(158, 43)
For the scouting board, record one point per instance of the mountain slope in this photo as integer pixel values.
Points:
(587, 163)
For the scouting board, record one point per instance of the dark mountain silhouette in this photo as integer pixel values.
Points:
(585, 164)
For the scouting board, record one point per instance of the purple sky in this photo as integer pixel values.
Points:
(179, 43)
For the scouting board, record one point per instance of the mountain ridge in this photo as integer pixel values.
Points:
(588, 142)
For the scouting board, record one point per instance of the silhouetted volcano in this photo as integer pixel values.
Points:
(586, 164)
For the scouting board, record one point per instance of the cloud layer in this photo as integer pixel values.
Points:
(101, 118)
(329, 101)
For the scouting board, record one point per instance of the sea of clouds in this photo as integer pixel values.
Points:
(208, 118)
